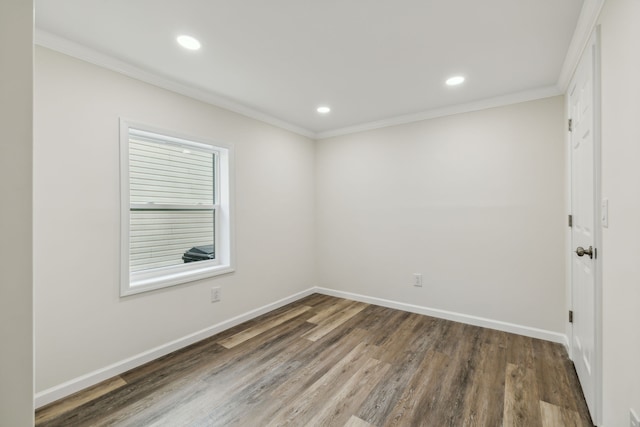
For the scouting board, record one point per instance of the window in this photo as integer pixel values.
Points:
(176, 215)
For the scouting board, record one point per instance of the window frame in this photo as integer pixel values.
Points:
(162, 277)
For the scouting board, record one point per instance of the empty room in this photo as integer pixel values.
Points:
(342, 213)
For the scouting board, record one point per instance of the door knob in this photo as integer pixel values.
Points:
(582, 251)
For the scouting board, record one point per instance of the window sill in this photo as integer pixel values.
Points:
(139, 283)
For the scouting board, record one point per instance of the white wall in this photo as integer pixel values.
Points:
(16, 306)
(81, 322)
(620, 64)
(474, 202)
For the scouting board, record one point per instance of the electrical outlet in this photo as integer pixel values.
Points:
(635, 421)
(215, 294)
(417, 279)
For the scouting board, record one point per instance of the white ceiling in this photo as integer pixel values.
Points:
(370, 60)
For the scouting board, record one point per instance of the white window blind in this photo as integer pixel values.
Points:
(172, 190)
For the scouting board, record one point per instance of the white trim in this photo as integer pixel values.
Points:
(514, 98)
(142, 281)
(587, 20)
(72, 386)
(71, 48)
(568, 232)
(450, 315)
(593, 42)
(597, 138)
(77, 50)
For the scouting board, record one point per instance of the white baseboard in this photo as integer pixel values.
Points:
(72, 386)
(92, 378)
(567, 345)
(450, 315)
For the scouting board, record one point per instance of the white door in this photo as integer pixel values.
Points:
(584, 234)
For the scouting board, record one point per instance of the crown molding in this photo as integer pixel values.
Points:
(587, 22)
(515, 98)
(60, 44)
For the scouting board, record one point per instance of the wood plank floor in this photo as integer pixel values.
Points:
(325, 361)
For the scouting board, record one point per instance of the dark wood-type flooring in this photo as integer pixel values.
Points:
(325, 361)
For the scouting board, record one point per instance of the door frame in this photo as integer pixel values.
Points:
(593, 43)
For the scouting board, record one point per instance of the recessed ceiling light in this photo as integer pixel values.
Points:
(188, 42)
(455, 80)
(323, 110)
